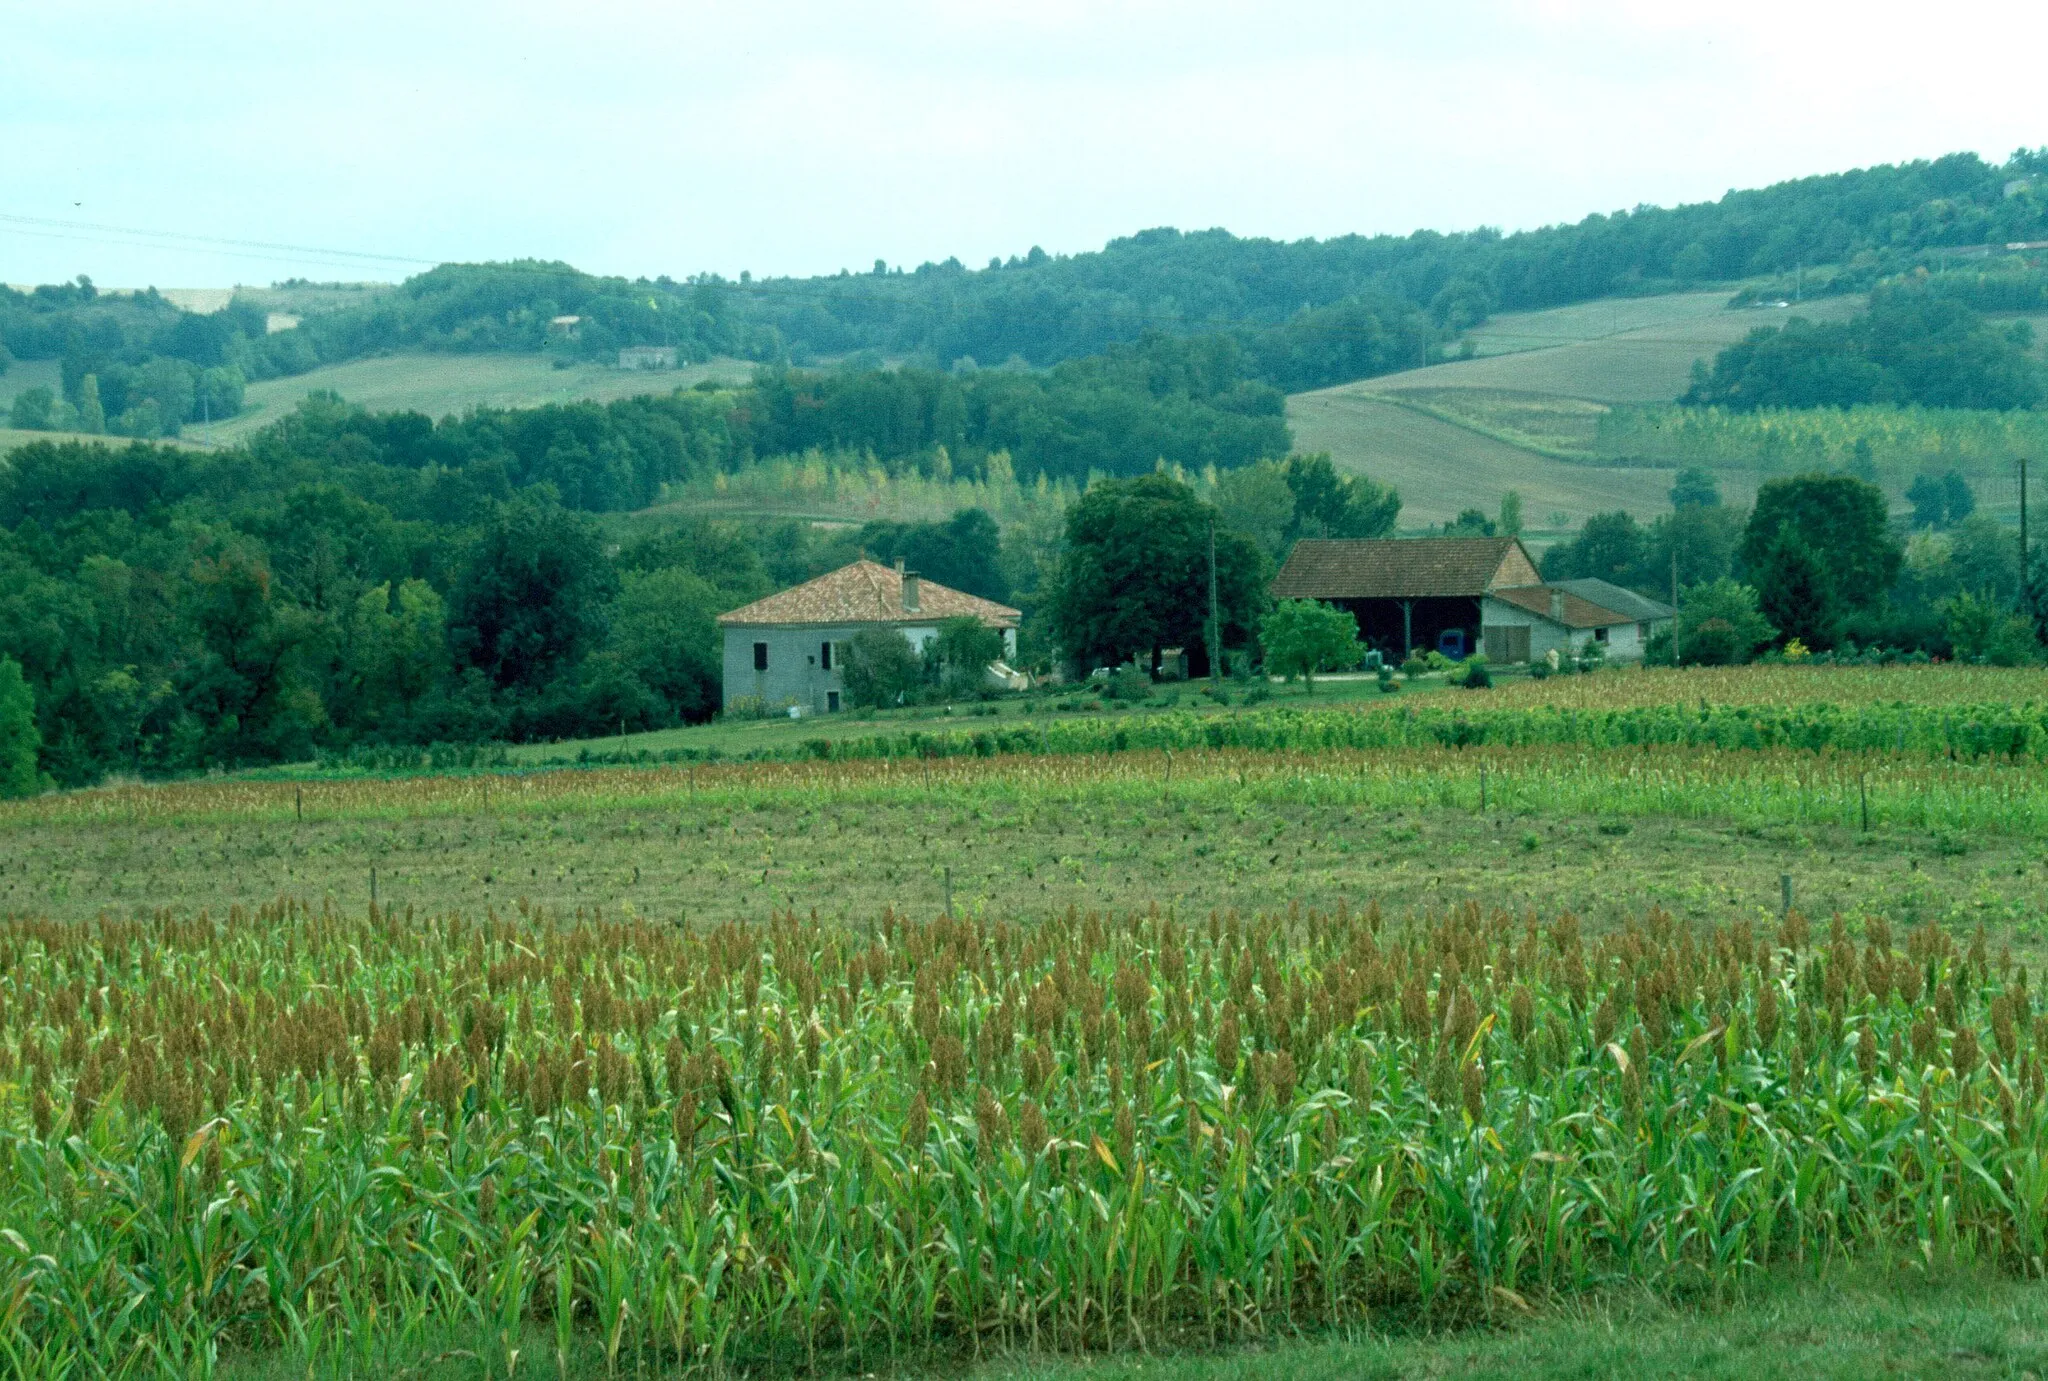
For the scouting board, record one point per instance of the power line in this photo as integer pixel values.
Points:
(182, 238)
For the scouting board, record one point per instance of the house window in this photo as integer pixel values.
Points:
(832, 702)
(825, 658)
(1599, 635)
(760, 656)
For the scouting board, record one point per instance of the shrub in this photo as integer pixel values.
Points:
(879, 667)
(1128, 682)
(1414, 667)
(1476, 676)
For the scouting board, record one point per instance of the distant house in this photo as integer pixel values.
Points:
(1459, 595)
(648, 357)
(565, 327)
(784, 650)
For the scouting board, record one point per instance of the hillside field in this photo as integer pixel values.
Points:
(438, 384)
(1581, 357)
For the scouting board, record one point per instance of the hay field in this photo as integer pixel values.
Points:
(1615, 350)
(1458, 435)
(439, 384)
(1442, 469)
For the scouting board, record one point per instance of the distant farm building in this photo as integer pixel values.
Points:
(565, 327)
(648, 357)
(784, 651)
(1460, 595)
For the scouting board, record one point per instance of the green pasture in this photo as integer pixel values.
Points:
(438, 384)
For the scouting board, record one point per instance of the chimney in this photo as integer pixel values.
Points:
(1557, 606)
(912, 596)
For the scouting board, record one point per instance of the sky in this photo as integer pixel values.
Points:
(369, 140)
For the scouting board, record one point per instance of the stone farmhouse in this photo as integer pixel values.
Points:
(784, 650)
(1460, 595)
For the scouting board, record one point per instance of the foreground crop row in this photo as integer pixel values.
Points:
(304, 1130)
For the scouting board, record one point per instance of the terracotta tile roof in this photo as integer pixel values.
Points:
(1399, 568)
(1578, 613)
(867, 592)
(1608, 595)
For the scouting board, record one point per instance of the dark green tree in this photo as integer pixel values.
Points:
(1327, 504)
(1959, 499)
(20, 741)
(1135, 576)
(1929, 500)
(1704, 540)
(1695, 487)
(1838, 515)
(532, 596)
(1611, 546)
(962, 553)
(1794, 592)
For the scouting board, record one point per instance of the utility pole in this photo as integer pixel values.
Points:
(1674, 604)
(1215, 619)
(2026, 585)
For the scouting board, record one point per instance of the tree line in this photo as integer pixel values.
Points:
(1914, 347)
(1818, 563)
(1301, 315)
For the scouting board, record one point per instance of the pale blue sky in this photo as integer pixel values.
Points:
(800, 138)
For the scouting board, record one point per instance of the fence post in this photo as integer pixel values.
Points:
(1863, 794)
(1785, 892)
(949, 893)
(299, 804)
(373, 884)
(1482, 788)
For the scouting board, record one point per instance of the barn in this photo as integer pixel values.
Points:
(1460, 595)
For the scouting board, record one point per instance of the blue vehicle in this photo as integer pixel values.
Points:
(1451, 642)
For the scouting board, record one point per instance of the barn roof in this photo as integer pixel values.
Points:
(1395, 568)
(867, 592)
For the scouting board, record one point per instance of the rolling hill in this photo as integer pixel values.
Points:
(440, 383)
(1457, 435)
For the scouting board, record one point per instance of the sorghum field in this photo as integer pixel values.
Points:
(874, 1061)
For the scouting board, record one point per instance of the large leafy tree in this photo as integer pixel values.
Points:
(532, 596)
(1611, 546)
(1327, 504)
(961, 553)
(1135, 577)
(1838, 516)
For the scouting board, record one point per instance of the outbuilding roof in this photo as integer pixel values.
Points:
(1608, 595)
(867, 592)
(1577, 611)
(1402, 568)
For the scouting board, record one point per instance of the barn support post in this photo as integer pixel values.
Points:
(1407, 629)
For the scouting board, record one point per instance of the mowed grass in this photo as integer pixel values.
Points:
(1838, 1323)
(438, 384)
